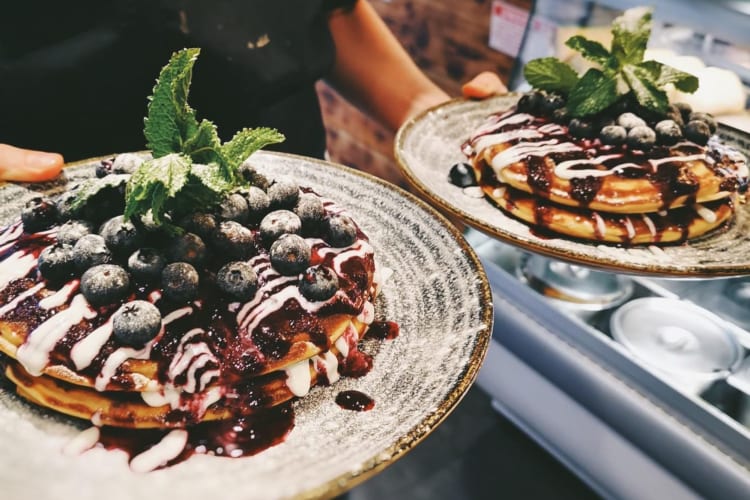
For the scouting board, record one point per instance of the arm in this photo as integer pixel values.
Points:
(25, 165)
(375, 72)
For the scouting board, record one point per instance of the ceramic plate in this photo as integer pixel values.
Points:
(429, 144)
(439, 296)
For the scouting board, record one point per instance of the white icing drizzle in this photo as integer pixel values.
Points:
(166, 395)
(367, 316)
(176, 314)
(629, 227)
(327, 363)
(161, 453)
(11, 233)
(61, 296)
(490, 140)
(16, 266)
(20, 298)
(96, 418)
(705, 213)
(601, 228)
(298, 378)
(655, 162)
(649, 224)
(117, 358)
(564, 169)
(342, 345)
(85, 350)
(34, 353)
(83, 441)
(522, 150)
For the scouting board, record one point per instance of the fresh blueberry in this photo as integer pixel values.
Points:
(697, 131)
(237, 280)
(561, 115)
(318, 283)
(121, 236)
(136, 322)
(277, 223)
(104, 168)
(146, 264)
(251, 175)
(38, 214)
(105, 284)
(56, 263)
(613, 135)
(311, 212)
(290, 254)
(180, 281)
(126, 163)
(258, 203)
(579, 127)
(341, 231)
(668, 132)
(233, 240)
(705, 118)
(91, 250)
(674, 114)
(283, 193)
(550, 103)
(187, 247)
(234, 207)
(630, 121)
(641, 137)
(73, 230)
(108, 201)
(530, 102)
(685, 110)
(462, 175)
(199, 223)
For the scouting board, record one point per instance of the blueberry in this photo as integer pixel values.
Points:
(56, 263)
(277, 223)
(89, 251)
(180, 282)
(674, 114)
(187, 247)
(258, 203)
(199, 223)
(126, 163)
(73, 230)
(233, 240)
(104, 168)
(341, 231)
(290, 254)
(462, 175)
(237, 280)
(579, 127)
(121, 236)
(146, 264)
(668, 132)
(108, 201)
(530, 102)
(136, 322)
(234, 207)
(613, 135)
(64, 204)
(105, 284)
(697, 131)
(251, 175)
(283, 193)
(630, 121)
(561, 115)
(550, 103)
(641, 137)
(311, 212)
(685, 110)
(38, 214)
(318, 283)
(705, 118)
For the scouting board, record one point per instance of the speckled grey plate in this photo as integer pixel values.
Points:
(429, 144)
(438, 294)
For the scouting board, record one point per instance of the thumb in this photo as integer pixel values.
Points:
(25, 165)
(483, 85)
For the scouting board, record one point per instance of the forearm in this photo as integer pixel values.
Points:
(374, 71)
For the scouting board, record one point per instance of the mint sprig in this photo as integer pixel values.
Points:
(620, 70)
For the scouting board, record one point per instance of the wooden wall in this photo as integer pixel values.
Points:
(448, 40)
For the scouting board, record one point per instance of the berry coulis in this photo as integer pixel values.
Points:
(355, 401)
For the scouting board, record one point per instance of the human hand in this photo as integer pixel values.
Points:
(485, 84)
(25, 165)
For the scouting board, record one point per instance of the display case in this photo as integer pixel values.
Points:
(639, 384)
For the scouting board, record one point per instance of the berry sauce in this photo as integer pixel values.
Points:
(355, 401)
(383, 330)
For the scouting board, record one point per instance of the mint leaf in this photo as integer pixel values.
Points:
(663, 74)
(170, 121)
(592, 50)
(246, 142)
(155, 184)
(204, 145)
(644, 88)
(550, 74)
(630, 34)
(211, 177)
(595, 92)
(92, 187)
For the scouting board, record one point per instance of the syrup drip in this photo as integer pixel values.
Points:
(383, 330)
(355, 401)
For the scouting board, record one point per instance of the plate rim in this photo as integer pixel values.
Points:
(385, 457)
(661, 270)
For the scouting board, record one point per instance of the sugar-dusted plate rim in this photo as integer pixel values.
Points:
(438, 294)
(428, 145)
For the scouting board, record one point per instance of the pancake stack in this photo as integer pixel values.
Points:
(267, 297)
(613, 179)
